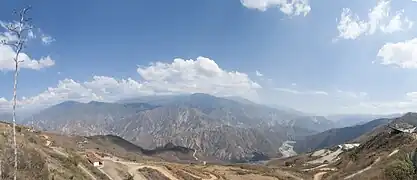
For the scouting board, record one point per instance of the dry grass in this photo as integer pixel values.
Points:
(152, 174)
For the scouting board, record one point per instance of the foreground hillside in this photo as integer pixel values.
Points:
(385, 153)
(49, 156)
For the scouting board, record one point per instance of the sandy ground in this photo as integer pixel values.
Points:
(332, 156)
(287, 149)
(314, 168)
(320, 152)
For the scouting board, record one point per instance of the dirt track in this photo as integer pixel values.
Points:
(133, 170)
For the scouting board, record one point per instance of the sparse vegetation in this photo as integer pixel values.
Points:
(128, 177)
(400, 170)
(31, 164)
(150, 174)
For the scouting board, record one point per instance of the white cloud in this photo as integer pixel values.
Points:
(338, 93)
(350, 27)
(202, 75)
(46, 39)
(412, 96)
(288, 7)
(259, 74)
(401, 54)
(396, 24)
(379, 18)
(351, 94)
(7, 55)
(408, 104)
(4, 104)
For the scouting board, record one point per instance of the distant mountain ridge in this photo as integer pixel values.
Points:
(346, 120)
(215, 126)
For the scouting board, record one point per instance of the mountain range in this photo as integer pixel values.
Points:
(370, 151)
(221, 127)
(228, 128)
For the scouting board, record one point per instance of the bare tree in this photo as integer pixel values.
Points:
(19, 30)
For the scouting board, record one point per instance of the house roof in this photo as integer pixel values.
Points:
(92, 157)
(403, 127)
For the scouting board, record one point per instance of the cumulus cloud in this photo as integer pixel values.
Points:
(7, 53)
(401, 54)
(380, 18)
(288, 7)
(201, 75)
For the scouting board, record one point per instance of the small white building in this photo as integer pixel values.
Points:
(93, 159)
(403, 127)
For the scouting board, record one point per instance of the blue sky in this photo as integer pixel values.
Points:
(327, 57)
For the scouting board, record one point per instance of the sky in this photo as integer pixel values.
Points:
(321, 57)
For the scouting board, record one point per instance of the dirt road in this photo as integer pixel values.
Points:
(133, 168)
(86, 171)
(363, 170)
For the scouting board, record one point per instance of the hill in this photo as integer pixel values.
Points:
(385, 153)
(337, 136)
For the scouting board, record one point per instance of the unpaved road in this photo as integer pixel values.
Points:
(363, 170)
(133, 170)
(104, 172)
(393, 152)
(86, 171)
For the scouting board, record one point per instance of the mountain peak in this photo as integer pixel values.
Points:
(202, 95)
(69, 103)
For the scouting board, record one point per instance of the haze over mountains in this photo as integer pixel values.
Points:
(226, 128)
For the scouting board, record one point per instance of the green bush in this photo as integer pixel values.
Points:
(400, 170)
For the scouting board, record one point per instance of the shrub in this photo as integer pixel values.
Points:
(400, 170)
(129, 177)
